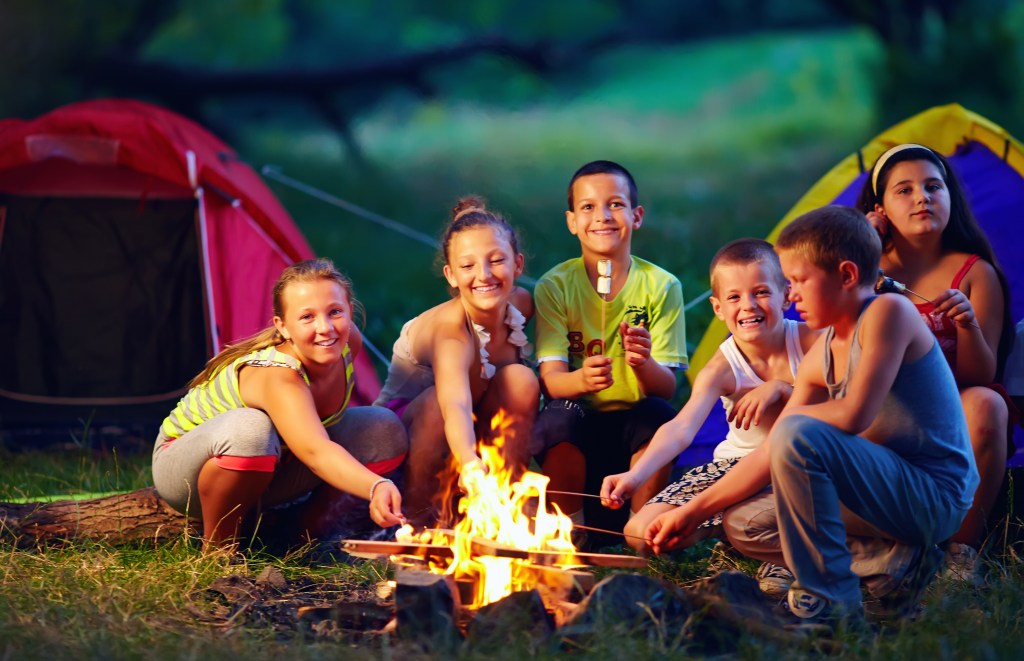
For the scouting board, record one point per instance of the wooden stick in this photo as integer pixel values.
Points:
(570, 493)
(604, 277)
(610, 532)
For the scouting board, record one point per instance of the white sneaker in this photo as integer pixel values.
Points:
(805, 605)
(962, 564)
(803, 610)
(774, 580)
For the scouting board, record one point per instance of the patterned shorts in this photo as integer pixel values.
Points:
(693, 482)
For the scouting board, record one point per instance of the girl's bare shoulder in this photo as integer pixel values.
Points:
(523, 300)
(445, 320)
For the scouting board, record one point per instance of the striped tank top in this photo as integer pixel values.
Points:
(221, 392)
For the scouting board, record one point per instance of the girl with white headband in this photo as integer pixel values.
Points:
(935, 247)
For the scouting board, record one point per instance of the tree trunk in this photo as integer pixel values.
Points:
(127, 517)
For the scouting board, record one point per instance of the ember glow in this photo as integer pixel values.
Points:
(497, 513)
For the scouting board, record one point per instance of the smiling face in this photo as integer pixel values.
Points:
(750, 298)
(483, 266)
(915, 199)
(317, 317)
(602, 216)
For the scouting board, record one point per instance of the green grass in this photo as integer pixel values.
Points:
(133, 603)
(88, 600)
(70, 472)
(92, 601)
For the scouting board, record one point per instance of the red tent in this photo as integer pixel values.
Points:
(133, 245)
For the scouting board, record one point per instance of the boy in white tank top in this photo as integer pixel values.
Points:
(752, 373)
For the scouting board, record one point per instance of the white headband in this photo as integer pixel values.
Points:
(890, 153)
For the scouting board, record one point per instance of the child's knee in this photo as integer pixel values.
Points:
(519, 394)
(752, 525)
(373, 435)
(792, 438)
(566, 465)
(636, 530)
(559, 421)
(245, 433)
(518, 380)
(986, 412)
(640, 521)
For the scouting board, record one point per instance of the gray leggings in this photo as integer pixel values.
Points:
(372, 434)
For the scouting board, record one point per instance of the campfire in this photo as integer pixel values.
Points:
(507, 538)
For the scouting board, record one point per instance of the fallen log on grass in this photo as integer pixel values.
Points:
(119, 518)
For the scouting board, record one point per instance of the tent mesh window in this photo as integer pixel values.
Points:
(100, 297)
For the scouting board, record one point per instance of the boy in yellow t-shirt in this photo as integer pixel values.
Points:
(607, 360)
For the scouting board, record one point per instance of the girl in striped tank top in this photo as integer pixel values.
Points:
(267, 421)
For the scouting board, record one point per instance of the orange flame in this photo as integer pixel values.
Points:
(496, 510)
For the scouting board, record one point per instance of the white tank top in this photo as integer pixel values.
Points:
(739, 442)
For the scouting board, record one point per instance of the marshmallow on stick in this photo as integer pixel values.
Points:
(604, 277)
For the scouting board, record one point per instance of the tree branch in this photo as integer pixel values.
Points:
(169, 81)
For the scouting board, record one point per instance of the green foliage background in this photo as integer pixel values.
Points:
(725, 112)
(722, 137)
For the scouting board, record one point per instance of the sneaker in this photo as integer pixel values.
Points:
(962, 564)
(805, 611)
(774, 580)
(896, 599)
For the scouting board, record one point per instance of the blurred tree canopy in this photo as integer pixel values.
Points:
(342, 60)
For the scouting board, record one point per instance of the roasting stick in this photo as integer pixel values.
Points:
(885, 283)
(571, 493)
(585, 495)
(582, 527)
(604, 288)
(610, 532)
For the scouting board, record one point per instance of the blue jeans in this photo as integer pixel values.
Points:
(826, 481)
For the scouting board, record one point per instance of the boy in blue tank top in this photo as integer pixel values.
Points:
(870, 461)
